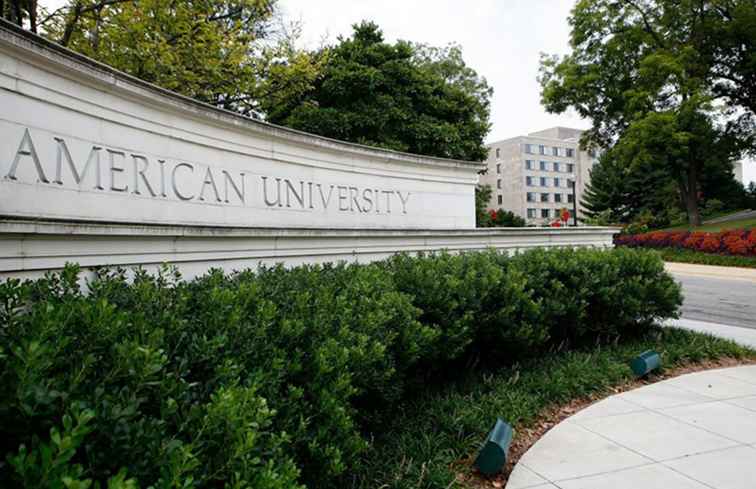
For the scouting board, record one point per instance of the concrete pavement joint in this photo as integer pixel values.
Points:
(723, 378)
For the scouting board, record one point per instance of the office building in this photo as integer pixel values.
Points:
(532, 175)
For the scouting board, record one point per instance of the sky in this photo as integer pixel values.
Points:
(501, 39)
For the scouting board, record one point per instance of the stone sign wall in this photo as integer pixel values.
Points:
(81, 141)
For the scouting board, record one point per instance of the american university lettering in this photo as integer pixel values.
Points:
(98, 168)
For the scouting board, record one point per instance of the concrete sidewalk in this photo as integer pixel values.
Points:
(728, 273)
(697, 431)
(743, 336)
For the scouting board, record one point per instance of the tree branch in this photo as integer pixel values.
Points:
(50, 16)
(78, 11)
(644, 18)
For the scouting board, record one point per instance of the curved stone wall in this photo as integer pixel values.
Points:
(81, 141)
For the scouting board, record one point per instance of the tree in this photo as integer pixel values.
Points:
(447, 63)
(482, 196)
(20, 12)
(751, 196)
(506, 219)
(397, 96)
(729, 38)
(655, 69)
(232, 54)
(634, 178)
(619, 193)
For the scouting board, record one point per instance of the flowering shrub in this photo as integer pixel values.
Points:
(502, 218)
(732, 242)
(752, 239)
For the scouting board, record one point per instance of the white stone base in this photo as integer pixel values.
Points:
(30, 248)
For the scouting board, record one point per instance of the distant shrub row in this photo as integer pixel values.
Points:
(741, 242)
(275, 378)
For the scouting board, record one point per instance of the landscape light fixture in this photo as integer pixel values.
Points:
(493, 453)
(645, 363)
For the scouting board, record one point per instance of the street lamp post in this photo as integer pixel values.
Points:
(574, 202)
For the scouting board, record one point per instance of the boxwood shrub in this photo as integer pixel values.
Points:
(276, 377)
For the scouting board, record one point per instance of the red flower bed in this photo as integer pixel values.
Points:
(733, 242)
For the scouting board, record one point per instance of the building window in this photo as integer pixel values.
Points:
(570, 198)
(529, 148)
(498, 183)
(528, 164)
(498, 168)
(542, 149)
(570, 153)
(500, 199)
(531, 197)
(556, 182)
(544, 182)
(545, 213)
(570, 168)
(555, 151)
(556, 166)
(557, 198)
(531, 213)
(498, 152)
(529, 181)
(543, 166)
(544, 197)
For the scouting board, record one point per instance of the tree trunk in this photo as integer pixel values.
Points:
(32, 4)
(690, 194)
(96, 32)
(15, 13)
(71, 20)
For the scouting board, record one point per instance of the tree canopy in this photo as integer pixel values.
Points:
(239, 55)
(216, 51)
(632, 178)
(621, 193)
(669, 82)
(398, 96)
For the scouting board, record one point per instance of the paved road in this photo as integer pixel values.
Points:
(719, 300)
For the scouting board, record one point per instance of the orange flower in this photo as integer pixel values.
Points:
(736, 246)
(710, 244)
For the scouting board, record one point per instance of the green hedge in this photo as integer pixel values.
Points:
(276, 378)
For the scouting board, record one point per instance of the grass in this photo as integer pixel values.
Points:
(716, 227)
(432, 438)
(692, 256)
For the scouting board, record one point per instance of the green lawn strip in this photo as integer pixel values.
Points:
(691, 256)
(426, 443)
(716, 227)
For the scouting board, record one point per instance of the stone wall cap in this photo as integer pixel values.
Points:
(30, 226)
